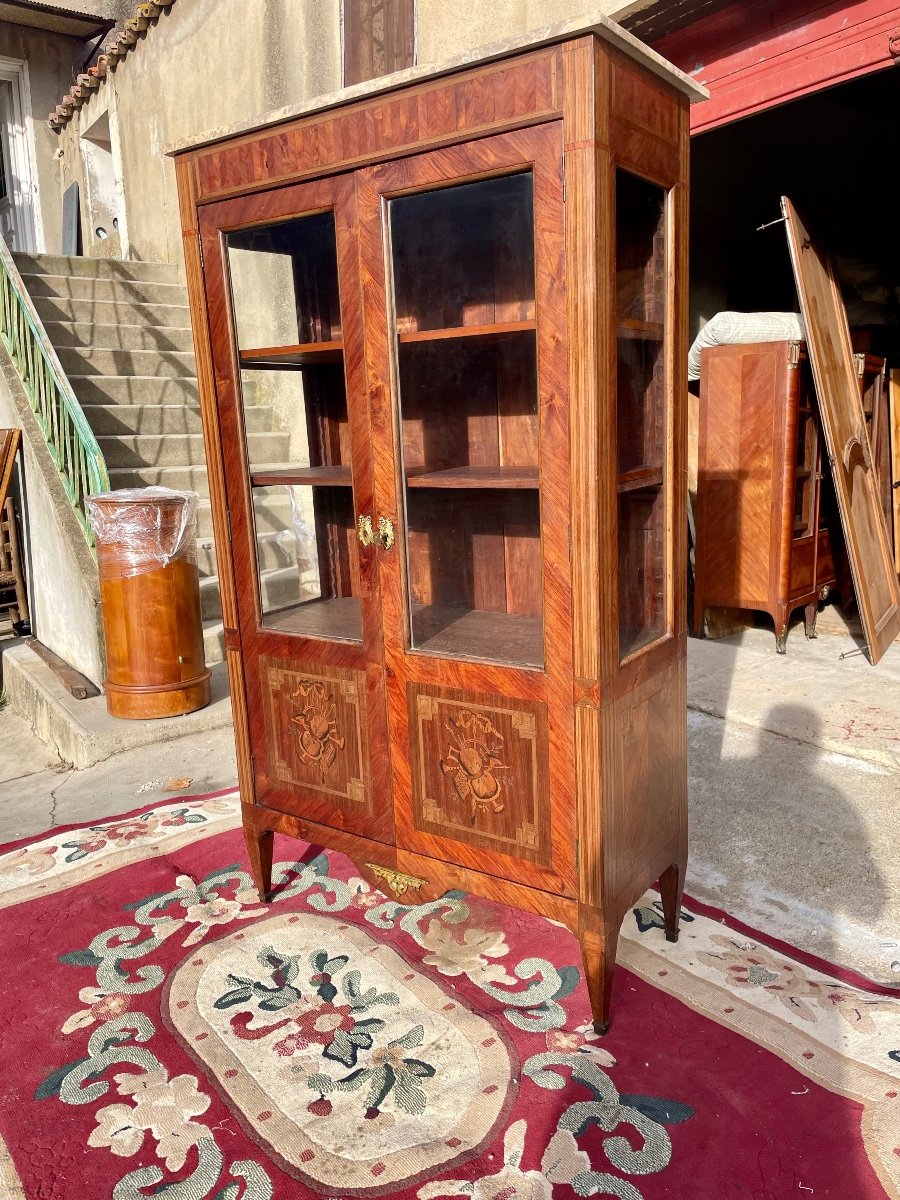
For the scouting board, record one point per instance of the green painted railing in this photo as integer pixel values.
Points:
(69, 438)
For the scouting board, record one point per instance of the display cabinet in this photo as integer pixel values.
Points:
(453, 600)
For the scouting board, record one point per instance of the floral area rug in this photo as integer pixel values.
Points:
(163, 1034)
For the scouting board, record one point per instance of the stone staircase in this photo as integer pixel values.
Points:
(122, 333)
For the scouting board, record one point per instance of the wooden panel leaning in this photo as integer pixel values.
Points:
(473, 675)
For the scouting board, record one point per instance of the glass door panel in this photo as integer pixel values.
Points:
(641, 411)
(284, 284)
(463, 291)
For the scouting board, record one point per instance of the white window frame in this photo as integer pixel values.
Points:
(22, 167)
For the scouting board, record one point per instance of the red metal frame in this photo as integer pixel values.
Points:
(756, 55)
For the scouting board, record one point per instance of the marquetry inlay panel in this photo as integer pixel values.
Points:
(315, 727)
(478, 770)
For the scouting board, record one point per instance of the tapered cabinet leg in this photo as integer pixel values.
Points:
(782, 616)
(671, 885)
(810, 612)
(598, 949)
(259, 849)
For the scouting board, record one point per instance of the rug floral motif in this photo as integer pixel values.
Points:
(165, 1034)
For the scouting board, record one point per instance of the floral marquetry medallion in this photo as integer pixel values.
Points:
(315, 726)
(478, 766)
(339, 1068)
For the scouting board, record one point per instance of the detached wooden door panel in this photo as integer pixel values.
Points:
(283, 297)
(464, 288)
(844, 423)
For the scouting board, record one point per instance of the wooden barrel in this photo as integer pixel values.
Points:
(150, 597)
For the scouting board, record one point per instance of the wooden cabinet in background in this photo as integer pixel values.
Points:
(440, 337)
(763, 517)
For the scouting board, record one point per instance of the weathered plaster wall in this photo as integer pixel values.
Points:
(64, 594)
(446, 28)
(205, 61)
(208, 63)
(51, 62)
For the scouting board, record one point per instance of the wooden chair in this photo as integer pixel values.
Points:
(13, 596)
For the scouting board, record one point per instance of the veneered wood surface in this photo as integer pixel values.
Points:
(748, 553)
(503, 95)
(273, 639)
(855, 482)
(150, 601)
(579, 708)
(541, 148)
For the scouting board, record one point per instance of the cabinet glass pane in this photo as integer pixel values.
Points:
(641, 417)
(306, 551)
(804, 482)
(463, 292)
(284, 287)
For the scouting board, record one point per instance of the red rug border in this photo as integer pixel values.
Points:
(843, 974)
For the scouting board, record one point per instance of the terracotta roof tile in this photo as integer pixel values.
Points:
(113, 53)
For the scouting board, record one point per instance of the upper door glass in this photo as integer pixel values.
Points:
(284, 285)
(463, 298)
(641, 410)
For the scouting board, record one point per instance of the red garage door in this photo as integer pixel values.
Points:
(755, 55)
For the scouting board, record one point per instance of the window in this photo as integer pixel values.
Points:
(379, 38)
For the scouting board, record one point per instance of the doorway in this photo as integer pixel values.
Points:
(19, 220)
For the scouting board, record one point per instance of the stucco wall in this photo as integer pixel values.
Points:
(208, 63)
(51, 61)
(204, 62)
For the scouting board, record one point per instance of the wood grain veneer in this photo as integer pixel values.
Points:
(486, 730)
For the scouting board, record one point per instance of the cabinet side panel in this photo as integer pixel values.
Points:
(644, 765)
(185, 170)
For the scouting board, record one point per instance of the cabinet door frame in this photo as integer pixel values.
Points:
(546, 690)
(354, 665)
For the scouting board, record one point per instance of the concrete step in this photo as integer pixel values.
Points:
(179, 449)
(213, 642)
(185, 478)
(276, 549)
(273, 517)
(98, 268)
(81, 731)
(125, 291)
(118, 337)
(133, 389)
(167, 364)
(279, 587)
(130, 419)
(176, 315)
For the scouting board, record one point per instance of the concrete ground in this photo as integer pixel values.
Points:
(794, 789)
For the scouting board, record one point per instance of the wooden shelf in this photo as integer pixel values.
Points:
(498, 637)
(650, 331)
(338, 619)
(466, 331)
(473, 477)
(306, 355)
(640, 477)
(303, 476)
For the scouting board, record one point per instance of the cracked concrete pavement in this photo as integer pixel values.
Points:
(39, 792)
